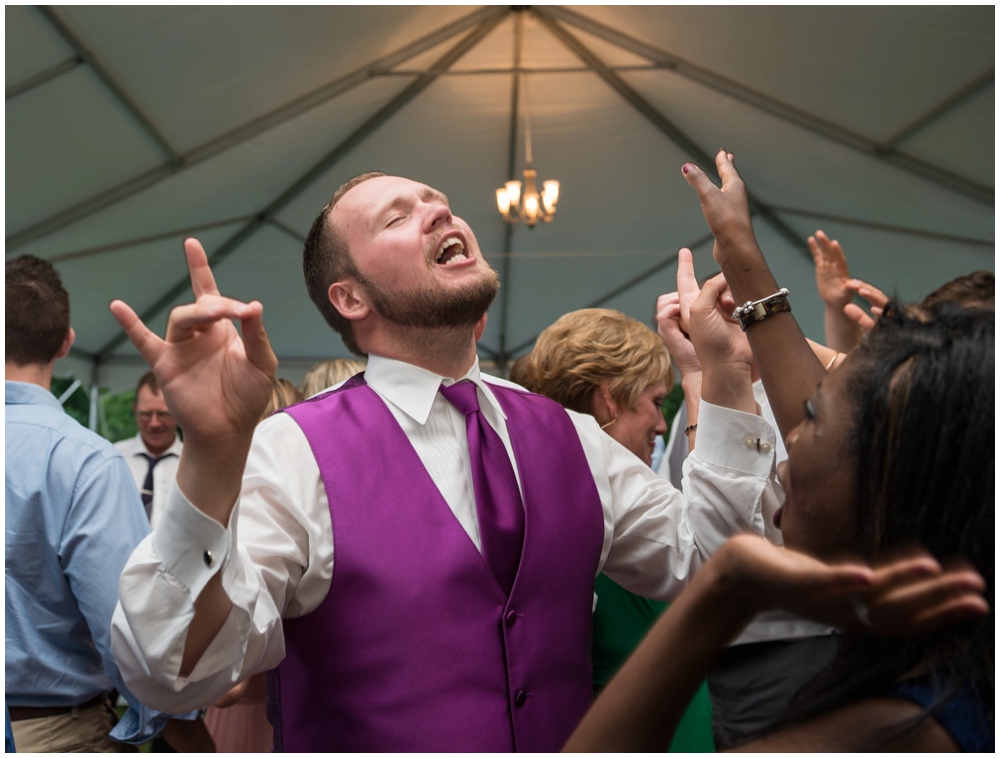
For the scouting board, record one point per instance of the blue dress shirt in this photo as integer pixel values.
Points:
(73, 518)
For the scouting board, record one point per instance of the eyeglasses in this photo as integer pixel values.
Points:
(147, 416)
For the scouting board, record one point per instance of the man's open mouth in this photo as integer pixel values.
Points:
(452, 251)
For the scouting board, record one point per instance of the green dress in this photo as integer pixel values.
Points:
(621, 620)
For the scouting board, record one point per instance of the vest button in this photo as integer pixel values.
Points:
(511, 618)
(519, 698)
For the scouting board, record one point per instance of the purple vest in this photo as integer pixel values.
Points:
(415, 647)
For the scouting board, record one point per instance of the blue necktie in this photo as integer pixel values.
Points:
(147, 486)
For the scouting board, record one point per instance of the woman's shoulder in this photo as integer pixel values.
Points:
(870, 724)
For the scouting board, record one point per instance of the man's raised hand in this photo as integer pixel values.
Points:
(216, 383)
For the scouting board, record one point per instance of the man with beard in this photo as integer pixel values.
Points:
(416, 549)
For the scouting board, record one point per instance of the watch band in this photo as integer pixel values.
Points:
(758, 310)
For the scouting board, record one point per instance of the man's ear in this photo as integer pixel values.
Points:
(350, 299)
(67, 344)
(480, 327)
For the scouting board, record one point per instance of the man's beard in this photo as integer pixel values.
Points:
(433, 308)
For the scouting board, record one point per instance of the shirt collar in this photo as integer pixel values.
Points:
(413, 389)
(26, 393)
(139, 448)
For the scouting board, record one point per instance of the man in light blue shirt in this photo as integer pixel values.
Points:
(73, 517)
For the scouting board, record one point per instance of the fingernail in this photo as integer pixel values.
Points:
(686, 167)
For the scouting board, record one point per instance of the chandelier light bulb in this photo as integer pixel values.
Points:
(503, 202)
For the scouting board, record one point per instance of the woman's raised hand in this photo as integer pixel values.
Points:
(726, 209)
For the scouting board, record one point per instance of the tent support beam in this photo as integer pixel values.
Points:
(330, 159)
(108, 81)
(82, 354)
(281, 225)
(508, 232)
(87, 252)
(41, 77)
(245, 132)
(991, 244)
(885, 153)
(664, 125)
(624, 287)
(945, 106)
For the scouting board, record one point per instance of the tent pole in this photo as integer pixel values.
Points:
(95, 394)
(508, 232)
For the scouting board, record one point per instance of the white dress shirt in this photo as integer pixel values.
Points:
(277, 554)
(773, 625)
(164, 474)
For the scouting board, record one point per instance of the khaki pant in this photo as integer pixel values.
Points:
(83, 731)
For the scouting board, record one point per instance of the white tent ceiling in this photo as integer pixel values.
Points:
(129, 128)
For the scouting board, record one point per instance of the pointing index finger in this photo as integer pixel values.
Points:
(687, 283)
(145, 341)
(202, 279)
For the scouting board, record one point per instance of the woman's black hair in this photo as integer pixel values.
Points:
(923, 392)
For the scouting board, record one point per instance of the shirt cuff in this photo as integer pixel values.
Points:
(191, 546)
(735, 440)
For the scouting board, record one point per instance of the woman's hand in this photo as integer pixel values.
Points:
(910, 595)
(726, 210)
(876, 298)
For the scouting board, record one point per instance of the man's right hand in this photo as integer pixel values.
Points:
(215, 382)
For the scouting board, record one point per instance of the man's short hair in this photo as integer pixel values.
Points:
(147, 380)
(973, 290)
(37, 311)
(326, 259)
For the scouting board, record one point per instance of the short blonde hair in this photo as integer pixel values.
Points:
(283, 394)
(328, 373)
(589, 348)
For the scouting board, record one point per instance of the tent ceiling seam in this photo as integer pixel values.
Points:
(109, 82)
(662, 123)
(329, 160)
(36, 80)
(624, 287)
(957, 98)
(886, 227)
(111, 247)
(775, 107)
(243, 133)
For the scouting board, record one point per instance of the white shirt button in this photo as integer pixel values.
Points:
(765, 447)
(751, 443)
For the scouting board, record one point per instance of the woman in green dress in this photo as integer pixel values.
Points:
(603, 363)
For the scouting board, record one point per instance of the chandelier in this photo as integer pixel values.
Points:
(528, 206)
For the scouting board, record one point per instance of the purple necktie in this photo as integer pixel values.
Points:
(498, 499)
